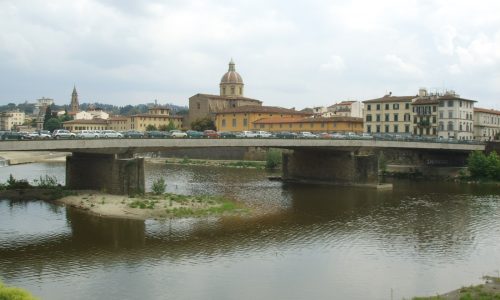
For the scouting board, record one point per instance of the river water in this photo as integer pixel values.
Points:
(313, 242)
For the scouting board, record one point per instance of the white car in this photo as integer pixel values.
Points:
(40, 135)
(249, 134)
(87, 134)
(107, 134)
(307, 135)
(63, 134)
(264, 134)
(178, 134)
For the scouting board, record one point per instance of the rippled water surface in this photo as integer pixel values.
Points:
(313, 242)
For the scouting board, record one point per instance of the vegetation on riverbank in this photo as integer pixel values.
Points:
(217, 163)
(483, 167)
(488, 291)
(46, 186)
(13, 293)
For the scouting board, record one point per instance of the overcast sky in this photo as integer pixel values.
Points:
(289, 53)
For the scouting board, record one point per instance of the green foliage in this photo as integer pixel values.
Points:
(143, 204)
(203, 124)
(273, 159)
(53, 124)
(65, 117)
(13, 293)
(484, 167)
(159, 186)
(14, 184)
(170, 126)
(46, 182)
(47, 117)
(151, 128)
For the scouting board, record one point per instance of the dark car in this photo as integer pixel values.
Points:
(286, 135)
(211, 134)
(155, 134)
(193, 134)
(12, 135)
(133, 134)
(227, 135)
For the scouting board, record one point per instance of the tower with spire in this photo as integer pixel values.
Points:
(75, 105)
(231, 84)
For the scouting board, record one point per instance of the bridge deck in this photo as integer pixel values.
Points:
(150, 145)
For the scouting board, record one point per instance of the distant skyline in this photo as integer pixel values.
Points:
(291, 54)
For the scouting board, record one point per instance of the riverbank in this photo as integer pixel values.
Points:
(490, 290)
(20, 157)
(251, 164)
(149, 206)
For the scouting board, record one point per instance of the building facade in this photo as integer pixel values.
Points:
(11, 119)
(486, 124)
(231, 96)
(347, 109)
(455, 117)
(118, 123)
(157, 116)
(316, 125)
(425, 115)
(85, 124)
(389, 114)
(244, 117)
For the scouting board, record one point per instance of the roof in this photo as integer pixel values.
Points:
(262, 109)
(156, 116)
(485, 110)
(308, 120)
(85, 121)
(226, 97)
(454, 97)
(343, 103)
(388, 98)
(231, 75)
(118, 119)
(422, 101)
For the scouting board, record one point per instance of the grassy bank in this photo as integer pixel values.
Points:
(217, 163)
(13, 293)
(490, 290)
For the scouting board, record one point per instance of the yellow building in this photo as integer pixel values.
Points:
(332, 124)
(119, 123)
(94, 124)
(389, 114)
(157, 116)
(243, 117)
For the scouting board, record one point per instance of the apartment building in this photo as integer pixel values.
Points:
(389, 114)
(347, 109)
(11, 119)
(455, 116)
(486, 124)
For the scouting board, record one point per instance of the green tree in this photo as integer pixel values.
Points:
(159, 186)
(65, 117)
(170, 126)
(53, 124)
(151, 127)
(47, 117)
(203, 124)
(273, 159)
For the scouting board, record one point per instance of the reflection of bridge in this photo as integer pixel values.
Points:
(109, 164)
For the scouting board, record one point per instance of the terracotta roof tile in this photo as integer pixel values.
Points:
(262, 109)
(485, 110)
(307, 120)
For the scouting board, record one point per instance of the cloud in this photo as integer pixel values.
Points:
(334, 63)
(400, 66)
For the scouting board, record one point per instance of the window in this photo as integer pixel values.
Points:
(232, 90)
(223, 123)
(234, 123)
(387, 117)
(368, 118)
(378, 128)
(387, 106)
(441, 126)
(198, 105)
(386, 128)
(450, 126)
(368, 107)
(407, 105)
(245, 122)
(407, 118)
(322, 125)
(396, 118)
(395, 106)
(450, 114)
(407, 128)
(223, 90)
(433, 119)
(450, 103)
(311, 125)
(396, 127)
(441, 103)
(440, 114)
(261, 126)
(378, 118)
(369, 128)
(378, 106)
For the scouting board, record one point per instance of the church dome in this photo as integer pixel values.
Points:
(231, 75)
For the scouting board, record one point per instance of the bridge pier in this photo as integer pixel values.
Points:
(105, 172)
(332, 167)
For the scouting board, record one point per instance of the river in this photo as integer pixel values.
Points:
(313, 242)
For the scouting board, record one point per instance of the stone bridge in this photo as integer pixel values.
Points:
(109, 164)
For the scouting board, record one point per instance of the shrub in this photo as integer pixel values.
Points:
(14, 293)
(273, 159)
(484, 167)
(47, 182)
(159, 186)
(13, 183)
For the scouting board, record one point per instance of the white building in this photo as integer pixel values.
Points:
(347, 109)
(486, 124)
(455, 117)
(91, 114)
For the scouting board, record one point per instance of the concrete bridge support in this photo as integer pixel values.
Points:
(334, 167)
(105, 172)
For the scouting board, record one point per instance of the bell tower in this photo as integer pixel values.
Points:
(75, 105)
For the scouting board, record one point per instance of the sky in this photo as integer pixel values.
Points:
(289, 53)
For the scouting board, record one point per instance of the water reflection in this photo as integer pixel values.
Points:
(318, 242)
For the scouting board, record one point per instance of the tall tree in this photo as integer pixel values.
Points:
(47, 117)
